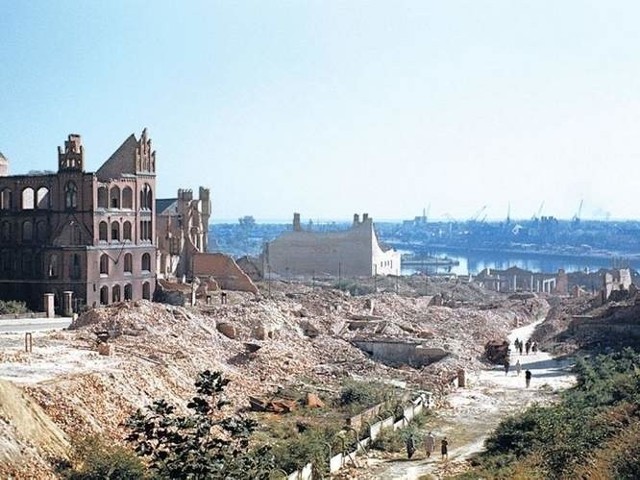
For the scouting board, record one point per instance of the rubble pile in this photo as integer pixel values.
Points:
(298, 336)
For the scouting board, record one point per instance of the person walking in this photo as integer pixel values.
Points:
(429, 444)
(527, 377)
(411, 446)
(444, 448)
(506, 365)
(527, 346)
(518, 367)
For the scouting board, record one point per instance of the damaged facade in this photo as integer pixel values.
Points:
(74, 231)
(183, 227)
(351, 253)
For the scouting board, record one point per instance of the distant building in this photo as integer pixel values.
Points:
(515, 279)
(183, 227)
(351, 253)
(74, 231)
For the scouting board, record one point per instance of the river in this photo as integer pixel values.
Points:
(472, 262)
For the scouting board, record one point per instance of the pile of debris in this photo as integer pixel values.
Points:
(299, 334)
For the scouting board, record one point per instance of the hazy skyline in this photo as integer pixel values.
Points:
(333, 107)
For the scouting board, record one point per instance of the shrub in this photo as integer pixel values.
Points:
(94, 459)
(203, 444)
(12, 307)
(360, 395)
(566, 440)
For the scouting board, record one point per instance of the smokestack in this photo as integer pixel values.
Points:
(296, 222)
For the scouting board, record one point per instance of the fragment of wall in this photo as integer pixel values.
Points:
(224, 270)
(344, 254)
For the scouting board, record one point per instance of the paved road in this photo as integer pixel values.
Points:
(18, 325)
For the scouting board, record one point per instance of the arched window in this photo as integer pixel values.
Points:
(145, 230)
(28, 199)
(102, 232)
(74, 269)
(127, 198)
(128, 263)
(115, 294)
(128, 292)
(104, 295)
(70, 195)
(6, 263)
(39, 264)
(115, 231)
(146, 291)
(6, 233)
(27, 266)
(41, 231)
(76, 234)
(42, 198)
(27, 231)
(114, 197)
(103, 197)
(146, 198)
(126, 231)
(146, 262)
(104, 264)
(6, 199)
(52, 271)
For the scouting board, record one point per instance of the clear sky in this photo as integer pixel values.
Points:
(333, 107)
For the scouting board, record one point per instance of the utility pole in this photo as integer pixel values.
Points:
(269, 280)
(375, 278)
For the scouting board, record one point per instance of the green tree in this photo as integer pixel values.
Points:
(201, 445)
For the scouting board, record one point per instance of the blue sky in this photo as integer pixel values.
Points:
(334, 107)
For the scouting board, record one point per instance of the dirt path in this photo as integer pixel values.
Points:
(476, 411)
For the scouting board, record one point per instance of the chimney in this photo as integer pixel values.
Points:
(296, 222)
(365, 217)
(356, 219)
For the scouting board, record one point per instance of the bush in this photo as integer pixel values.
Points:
(566, 440)
(312, 445)
(12, 307)
(356, 396)
(389, 441)
(94, 459)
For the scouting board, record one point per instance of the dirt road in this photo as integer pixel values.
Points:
(476, 410)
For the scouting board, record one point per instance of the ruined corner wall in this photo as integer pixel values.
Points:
(224, 270)
(350, 253)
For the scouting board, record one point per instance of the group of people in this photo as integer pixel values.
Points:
(527, 346)
(429, 446)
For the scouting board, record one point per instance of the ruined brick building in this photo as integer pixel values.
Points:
(89, 233)
(183, 227)
(350, 253)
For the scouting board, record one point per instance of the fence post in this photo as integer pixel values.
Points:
(28, 342)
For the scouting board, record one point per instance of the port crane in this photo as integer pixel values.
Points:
(536, 216)
(478, 213)
(576, 217)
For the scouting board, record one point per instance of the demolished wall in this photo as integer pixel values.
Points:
(350, 253)
(224, 270)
